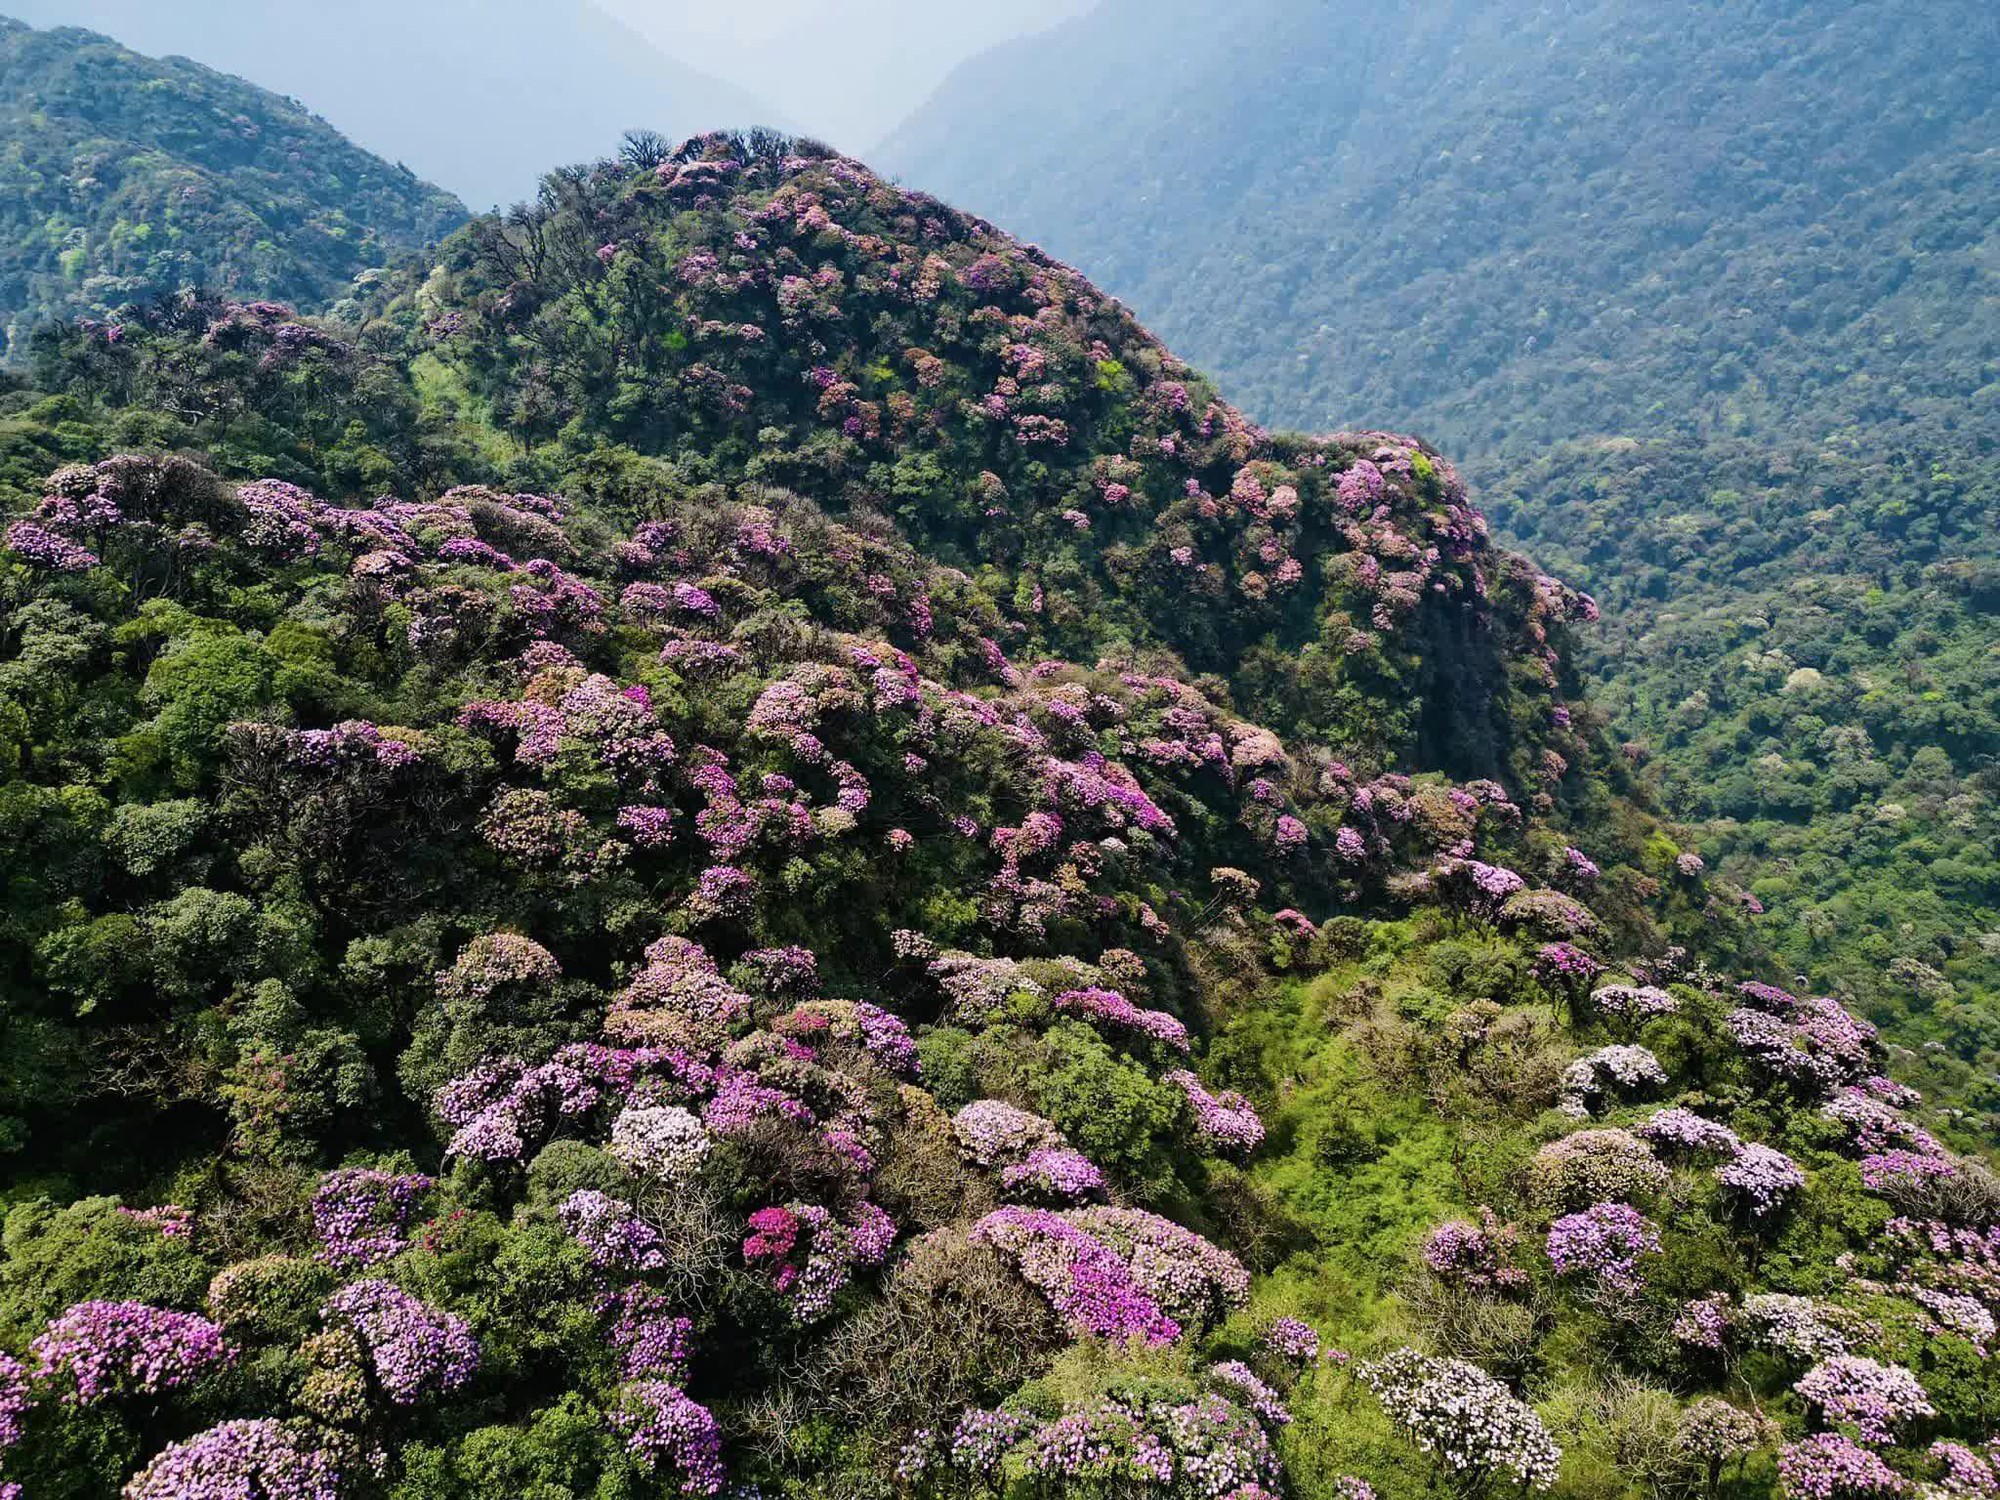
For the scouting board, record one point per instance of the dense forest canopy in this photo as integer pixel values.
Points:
(122, 177)
(739, 837)
(1511, 223)
(1702, 296)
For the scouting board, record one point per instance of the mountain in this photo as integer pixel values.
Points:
(125, 178)
(1603, 217)
(810, 53)
(1703, 297)
(732, 838)
(481, 96)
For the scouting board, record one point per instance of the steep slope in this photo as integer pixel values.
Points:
(122, 177)
(482, 96)
(1709, 218)
(767, 973)
(1703, 296)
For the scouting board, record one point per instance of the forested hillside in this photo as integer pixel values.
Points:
(1703, 295)
(122, 177)
(1518, 223)
(479, 96)
(739, 842)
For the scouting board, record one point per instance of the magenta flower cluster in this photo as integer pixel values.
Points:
(361, 1216)
(1057, 1175)
(1292, 1340)
(1116, 1272)
(1104, 1007)
(260, 1459)
(666, 1430)
(1604, 1241)
(1224, 1122)
(611, 1232)
(1872, 1398)
(1829, 1466)
(1762, 1177)
(416, 1351)
(1478, 1256)
(100, 1349)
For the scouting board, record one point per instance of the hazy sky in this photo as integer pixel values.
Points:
(848, 70)
(483, 96)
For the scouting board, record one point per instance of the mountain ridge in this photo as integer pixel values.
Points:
(547, 85)
(132, 177)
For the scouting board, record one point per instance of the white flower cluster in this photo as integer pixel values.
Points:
(666, 1142)
(1626, 1069)
(1464, 1418)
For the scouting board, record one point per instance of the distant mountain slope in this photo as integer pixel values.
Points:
(809, 52)
(1704, 295)
(482, 96)
(1505, 221)
(122, 177)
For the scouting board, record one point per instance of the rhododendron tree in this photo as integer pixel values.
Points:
(1604, 1242)
(100, 1349)
(258, 1459)
(1471, 1426)
(415, 1352)
(1873, 1399)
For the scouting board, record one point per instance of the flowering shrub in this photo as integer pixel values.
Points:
(993, 1133)
(1797, 1326)
(99, 1349)
(362, 1216)
(1474, 1255)
(1704, 1322)
(1054, 1175)
(1117, 1272)
(1827, 1466)
(1565, 966)
(1633, 1003)
(1206, 1446)
(663, 1141)
(260, 1459)
(1605, 1241)
(1874, 1399)
(882, 1037)
(616, 1238)
(1686, 1133)
(1713, 1432)
(668, 1432)
(1110, 1009)
(1762, 1177)
(1815, 1045)
(1468, 1422)
(1594, 1166)
(1293, 1341)
(1222, 1122)
(1263, 1402)
(811, 1254)
(417, 1353)
(1624, 1069)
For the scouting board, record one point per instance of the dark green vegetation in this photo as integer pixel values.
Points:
(1802, 644)
(122, 177)
(624, 739)
(1704, 298)
(1514, 224)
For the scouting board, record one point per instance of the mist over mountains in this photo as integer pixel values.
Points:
(478, 96)
(1499, 221)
